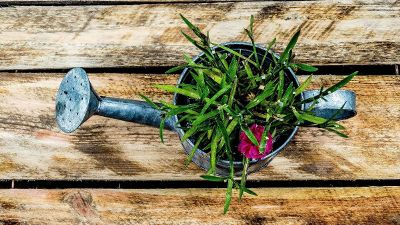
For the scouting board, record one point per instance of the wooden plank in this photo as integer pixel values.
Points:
(116, 2)
(369, 205)
(110, 2)
(348, 32)
(32, 147)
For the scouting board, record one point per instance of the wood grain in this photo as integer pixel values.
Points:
(111, 2)
(32, 147)
(344, 32)
(116, 2)
(372, 205)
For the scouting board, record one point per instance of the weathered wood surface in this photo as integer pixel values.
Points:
(374, 205)
(32, 147)
(116, 2)
(348, 32)
(110, 2)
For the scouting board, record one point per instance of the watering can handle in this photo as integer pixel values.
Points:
(132, 111)
(328, 108)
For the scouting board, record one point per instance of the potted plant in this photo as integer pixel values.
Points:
(237, 105)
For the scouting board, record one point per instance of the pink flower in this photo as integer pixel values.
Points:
(248, 149)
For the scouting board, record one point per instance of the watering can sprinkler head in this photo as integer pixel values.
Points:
(76, 102)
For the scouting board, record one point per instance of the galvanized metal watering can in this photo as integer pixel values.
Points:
(77, 101)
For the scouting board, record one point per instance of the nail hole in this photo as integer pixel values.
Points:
(65, 92)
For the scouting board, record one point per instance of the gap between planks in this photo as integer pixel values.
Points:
(322, 70)
(181, 184)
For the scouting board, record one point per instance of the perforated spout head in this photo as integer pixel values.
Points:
(76, 100)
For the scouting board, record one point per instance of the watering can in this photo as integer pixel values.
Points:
(77, 101)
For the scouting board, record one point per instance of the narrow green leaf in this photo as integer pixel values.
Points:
(288, 94)
(248, 191)
(175, 69)
(306, 67)
(268, 91)
(249, 134)
(171, 88)
(303, 86)
(337, 112)
(204, 117)
(195, 43)
(233, 92)
(214, 76)
(337, 132)
(338, 126)
(195, 29)
(213, 178)
(162, 124)
(195, 147)
(231, 126)
(225, 135)
(168, 105)
(250, 34)
(213, 156)
(209, 133)
(150, 102)
(237, 54)
(272, 43)
(202, 83)
(309, 118)
(187, 117)
(330, 90)
(188, 23)
(178, 109)
(233, 67)
(250, 74)
(251, 24)
(341, 83)
(244, 177)
(190, 39)
(224, 62)
(281, 83)
(182, 109)
(214, 98)
(289, 47)
(228, 196)
(264, 138)
(189, 133)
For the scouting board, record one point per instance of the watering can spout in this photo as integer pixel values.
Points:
(77, 101)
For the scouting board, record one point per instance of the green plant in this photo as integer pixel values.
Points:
(232, 91)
